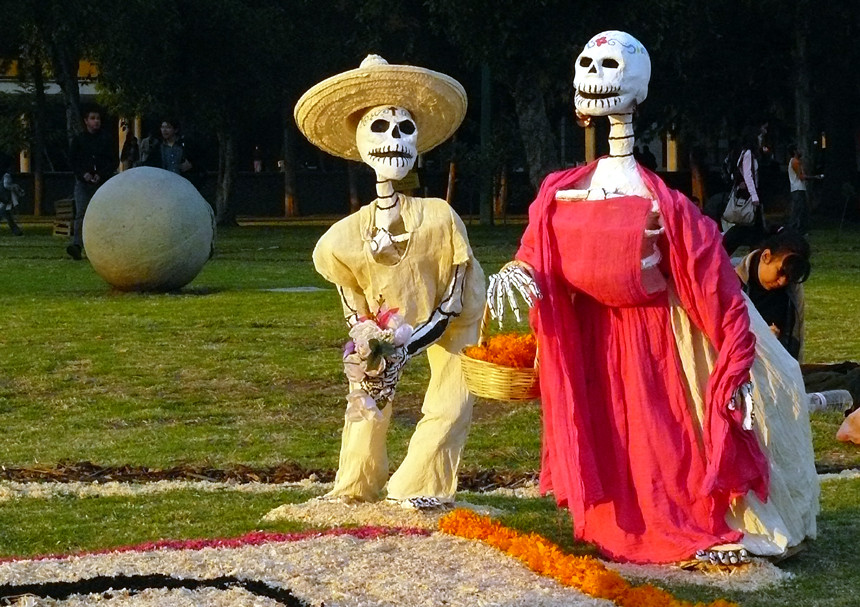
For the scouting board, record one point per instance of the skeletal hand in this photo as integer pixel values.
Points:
(514, 276)
(381, 387)
(743, 398)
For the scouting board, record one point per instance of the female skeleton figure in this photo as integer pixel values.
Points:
(406, 253)
(649, 433)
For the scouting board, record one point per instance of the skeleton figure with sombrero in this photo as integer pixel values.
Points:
(401, 252)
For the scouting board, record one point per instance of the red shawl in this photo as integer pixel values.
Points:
(709, 291)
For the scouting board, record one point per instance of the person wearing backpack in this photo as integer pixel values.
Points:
(715, 205)
(745, 178)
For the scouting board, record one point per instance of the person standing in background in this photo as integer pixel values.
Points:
(169, 153)
(10, 193)
(94, 160)
(798, 216)
(747, 183)
(130, 154)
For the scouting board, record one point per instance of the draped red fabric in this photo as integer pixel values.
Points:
(621, 447)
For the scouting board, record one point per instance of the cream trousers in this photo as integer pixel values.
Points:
(433, 457)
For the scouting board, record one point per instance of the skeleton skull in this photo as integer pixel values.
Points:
(386, 138)
(611, 75)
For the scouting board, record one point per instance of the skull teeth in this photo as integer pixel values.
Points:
(598, 101)
(389, 152)
(397, 155)
(598, 91)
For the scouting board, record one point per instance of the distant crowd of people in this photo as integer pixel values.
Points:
(772, 272)
(778, 260)
(93, 159)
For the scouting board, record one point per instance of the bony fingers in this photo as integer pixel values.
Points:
(516, 309)
(497, 310)
(524, 293)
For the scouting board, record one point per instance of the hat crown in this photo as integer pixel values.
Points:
(328, 113)
(373, 61)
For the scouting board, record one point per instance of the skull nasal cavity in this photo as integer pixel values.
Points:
(396, 132)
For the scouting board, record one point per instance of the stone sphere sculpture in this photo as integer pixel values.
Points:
(147, 229)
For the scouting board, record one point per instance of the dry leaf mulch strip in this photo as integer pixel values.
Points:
(63, 472)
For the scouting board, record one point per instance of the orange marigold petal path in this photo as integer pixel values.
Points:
(585, 573)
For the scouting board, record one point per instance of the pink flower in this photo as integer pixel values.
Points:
(402, 334)
(385, 315)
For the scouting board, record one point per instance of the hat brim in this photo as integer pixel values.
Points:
(328, 113)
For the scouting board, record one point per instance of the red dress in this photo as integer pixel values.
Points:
(643, 479)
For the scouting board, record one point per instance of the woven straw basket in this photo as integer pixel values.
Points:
(498, 382)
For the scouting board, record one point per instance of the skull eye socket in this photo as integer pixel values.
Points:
(407, 127)
(584, 61)
(379, 125)
(609, 63)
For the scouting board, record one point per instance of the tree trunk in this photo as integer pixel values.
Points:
(536, 131)
(452, 180)
(354, 202)
(65, 61)
(486, 168)
(840, 155)
(802, 71)
(500, 200)
(698, 172)
(291, 208)
(38, 120)
(225, 214)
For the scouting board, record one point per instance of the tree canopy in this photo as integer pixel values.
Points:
(716, 67)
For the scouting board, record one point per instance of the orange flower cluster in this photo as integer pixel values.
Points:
(507, 349)
(585, 573)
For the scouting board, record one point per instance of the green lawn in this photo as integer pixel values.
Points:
(238, 369)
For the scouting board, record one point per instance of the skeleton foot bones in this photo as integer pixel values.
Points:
(724, 554)
(515, 276)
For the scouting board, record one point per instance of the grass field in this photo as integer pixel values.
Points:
(242, 367)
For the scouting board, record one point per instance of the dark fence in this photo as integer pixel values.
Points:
(327, 192)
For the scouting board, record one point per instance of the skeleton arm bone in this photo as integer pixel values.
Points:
(451, 305)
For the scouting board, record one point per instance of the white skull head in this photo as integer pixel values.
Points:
(386, 138)
(611, 75)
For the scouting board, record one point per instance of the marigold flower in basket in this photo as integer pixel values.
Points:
(515, 350)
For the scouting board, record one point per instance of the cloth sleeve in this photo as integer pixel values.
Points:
(710, 293)
(462, 252)
(330, 265)
(747, 172)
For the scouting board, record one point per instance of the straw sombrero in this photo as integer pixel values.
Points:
(329, 112)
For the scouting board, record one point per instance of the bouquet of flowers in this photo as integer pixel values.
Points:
(373, 360)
